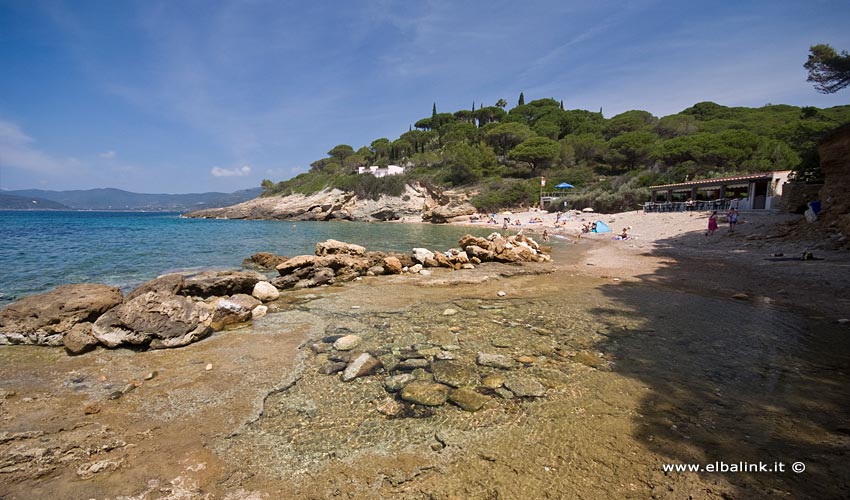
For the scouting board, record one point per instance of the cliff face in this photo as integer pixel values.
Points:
(834, 153)
(329, 205)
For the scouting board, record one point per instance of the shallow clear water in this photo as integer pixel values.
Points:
(41, 250)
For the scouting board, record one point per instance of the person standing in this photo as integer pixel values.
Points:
(732, 217)
(712, 223)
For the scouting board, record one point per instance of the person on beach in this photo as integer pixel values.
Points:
(545, 236)
(732, 217)
(712, 223)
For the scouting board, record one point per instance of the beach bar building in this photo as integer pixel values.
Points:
(761, 191)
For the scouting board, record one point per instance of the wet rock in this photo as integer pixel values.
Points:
(334, 247)
(741, 296)
(390, 407)
(168, 284)
(265, 291)
(333, 367)
(504, 393)
(43, 319)
(259, 312)
(320, 347)
(454, 373)
(412, 364)
(392, 265)
(467, 399)
(495, 361)
(157, 319)
(347, 342)
(389, 361)
(362, 365)
(493, 381)
(79, 339)
(397, 382)
(115, 395)
(590, 359)
(221, 283)
(425, 393)
(525, 387)
(527, 360)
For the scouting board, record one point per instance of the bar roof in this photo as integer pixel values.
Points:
(721, 180)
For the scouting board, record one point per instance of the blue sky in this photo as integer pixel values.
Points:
(189, 96)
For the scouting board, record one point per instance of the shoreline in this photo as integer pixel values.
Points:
(679, 364)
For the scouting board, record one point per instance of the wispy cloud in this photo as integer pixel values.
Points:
(17, 150)
(233, 172)
(108, 155)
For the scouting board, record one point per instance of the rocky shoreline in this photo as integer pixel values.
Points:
(176, 310)
(418, 203)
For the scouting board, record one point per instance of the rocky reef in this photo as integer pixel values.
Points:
(175, 310)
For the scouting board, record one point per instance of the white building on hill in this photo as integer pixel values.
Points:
(381, 171)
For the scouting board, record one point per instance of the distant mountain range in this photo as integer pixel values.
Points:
(117, 199)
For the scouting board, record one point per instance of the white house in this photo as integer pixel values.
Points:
(381, 171)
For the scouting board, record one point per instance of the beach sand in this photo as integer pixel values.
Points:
(670, 347)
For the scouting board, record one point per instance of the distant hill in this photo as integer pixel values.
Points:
(11, 202)
(117, 199)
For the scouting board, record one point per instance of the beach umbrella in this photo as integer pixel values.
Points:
(564, 185)
(588, 209)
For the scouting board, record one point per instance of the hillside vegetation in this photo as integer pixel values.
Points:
(500, 155)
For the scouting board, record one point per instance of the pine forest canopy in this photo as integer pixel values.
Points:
(611, 161)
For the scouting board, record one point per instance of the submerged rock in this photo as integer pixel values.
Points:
(362, 365)
(467, 399)
(425, 393)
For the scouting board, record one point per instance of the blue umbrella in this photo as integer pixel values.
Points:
(564, 185)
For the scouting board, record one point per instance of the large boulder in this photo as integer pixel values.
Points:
(334, 247)
(220, 283)
(392, 265)
(155, 319)
(265, 291)
(169, 283)
(43, 319)
(446, 213)
(79, 339)
(420, 255)
(230, 310)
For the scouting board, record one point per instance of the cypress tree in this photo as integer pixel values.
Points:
(562, 105)
(434, 111)
(521, 101)
(473, 106)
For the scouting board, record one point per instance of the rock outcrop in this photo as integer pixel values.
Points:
(44, 319)
(221, 283)
(834, 153)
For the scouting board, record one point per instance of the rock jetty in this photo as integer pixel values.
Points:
(175, 310)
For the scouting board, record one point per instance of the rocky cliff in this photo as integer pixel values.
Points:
(417, 203)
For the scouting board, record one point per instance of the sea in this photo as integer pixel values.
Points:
(40, 250)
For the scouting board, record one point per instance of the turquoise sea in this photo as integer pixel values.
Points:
(40, 250)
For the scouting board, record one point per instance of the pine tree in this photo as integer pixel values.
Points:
(521, 100)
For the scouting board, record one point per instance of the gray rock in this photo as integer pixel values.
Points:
(333, 367)
(397, 382)
(221, 283)
(156, 319)
(360, 366)
(525, 387)
(454, 373)
(377, 270)
(467, 399)
(504, 393)
(425, 393)
(43, 319)
(231, 310)
(496, 361)
(420, 255)
(412, 364)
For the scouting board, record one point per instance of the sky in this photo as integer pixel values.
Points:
(179, 96)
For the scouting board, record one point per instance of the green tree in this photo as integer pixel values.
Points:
(267, 185)
(521, 101)
(501, 103)
(630, 121)
(676, 125)
(536, 151)
(490, 114)
(381, 149)
(829, 70)
(588, 149)
(341, 152)
(632, 148)
(505, 136)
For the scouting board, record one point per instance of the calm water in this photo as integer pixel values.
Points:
(41, 250)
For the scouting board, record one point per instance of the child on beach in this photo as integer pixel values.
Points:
(712, 223)
(732, 217)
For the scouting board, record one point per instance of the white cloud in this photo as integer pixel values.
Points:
(17, 151)
(108, 155)
(233, 172)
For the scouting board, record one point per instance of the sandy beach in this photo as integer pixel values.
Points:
(670, 347)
